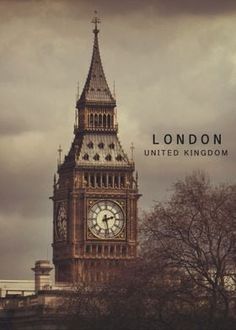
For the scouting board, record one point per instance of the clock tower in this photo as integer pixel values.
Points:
(95, 192)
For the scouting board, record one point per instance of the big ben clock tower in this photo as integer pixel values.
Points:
(95, 192)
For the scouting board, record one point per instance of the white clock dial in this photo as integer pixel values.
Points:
(106, 219)
(61, 223)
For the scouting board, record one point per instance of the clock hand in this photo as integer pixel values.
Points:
(105, 218)
(109, 218)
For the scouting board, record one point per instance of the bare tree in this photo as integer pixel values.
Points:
(194, 233)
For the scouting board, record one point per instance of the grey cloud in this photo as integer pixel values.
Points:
(22, 243)
(167, 7)
(78, 10)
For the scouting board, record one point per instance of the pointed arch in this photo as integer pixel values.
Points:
(96, 157)
(95, 120)
(108, 157)
(104, 121)
(109, 121)
(86, 157)
(91, 120)
(100, 120)
(112, 121)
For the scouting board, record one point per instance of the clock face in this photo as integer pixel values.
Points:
(61, 223)
(106, 219)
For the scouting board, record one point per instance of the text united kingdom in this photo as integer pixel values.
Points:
(188, 145)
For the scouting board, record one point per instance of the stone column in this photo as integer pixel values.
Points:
(113, 181)
(119, 180)
(89, 180)
(100, 179)
(107, 181)
(42, 271)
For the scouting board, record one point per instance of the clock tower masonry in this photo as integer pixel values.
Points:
(95, 191)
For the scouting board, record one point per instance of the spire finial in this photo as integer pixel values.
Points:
(132, 151)
(96, 20)
(59, 155)
(77, 92)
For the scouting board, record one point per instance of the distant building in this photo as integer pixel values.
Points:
(16, 287)
(33, 304)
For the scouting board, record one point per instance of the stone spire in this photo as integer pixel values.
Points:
(96, 89)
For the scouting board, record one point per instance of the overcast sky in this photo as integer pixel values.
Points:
(174, 64)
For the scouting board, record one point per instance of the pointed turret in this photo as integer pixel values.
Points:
(96, 89)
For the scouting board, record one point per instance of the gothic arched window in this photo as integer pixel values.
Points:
(100, 120)
(109, 121)
(119, 157)
(110, 181)
(86, 157)
(96, 120)
(104, 180)
(98, 179)
(96, 157)
(90, 145)
(111, 145)
(108, 157)
(92, 181)
(104, 121)
(91, 120)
